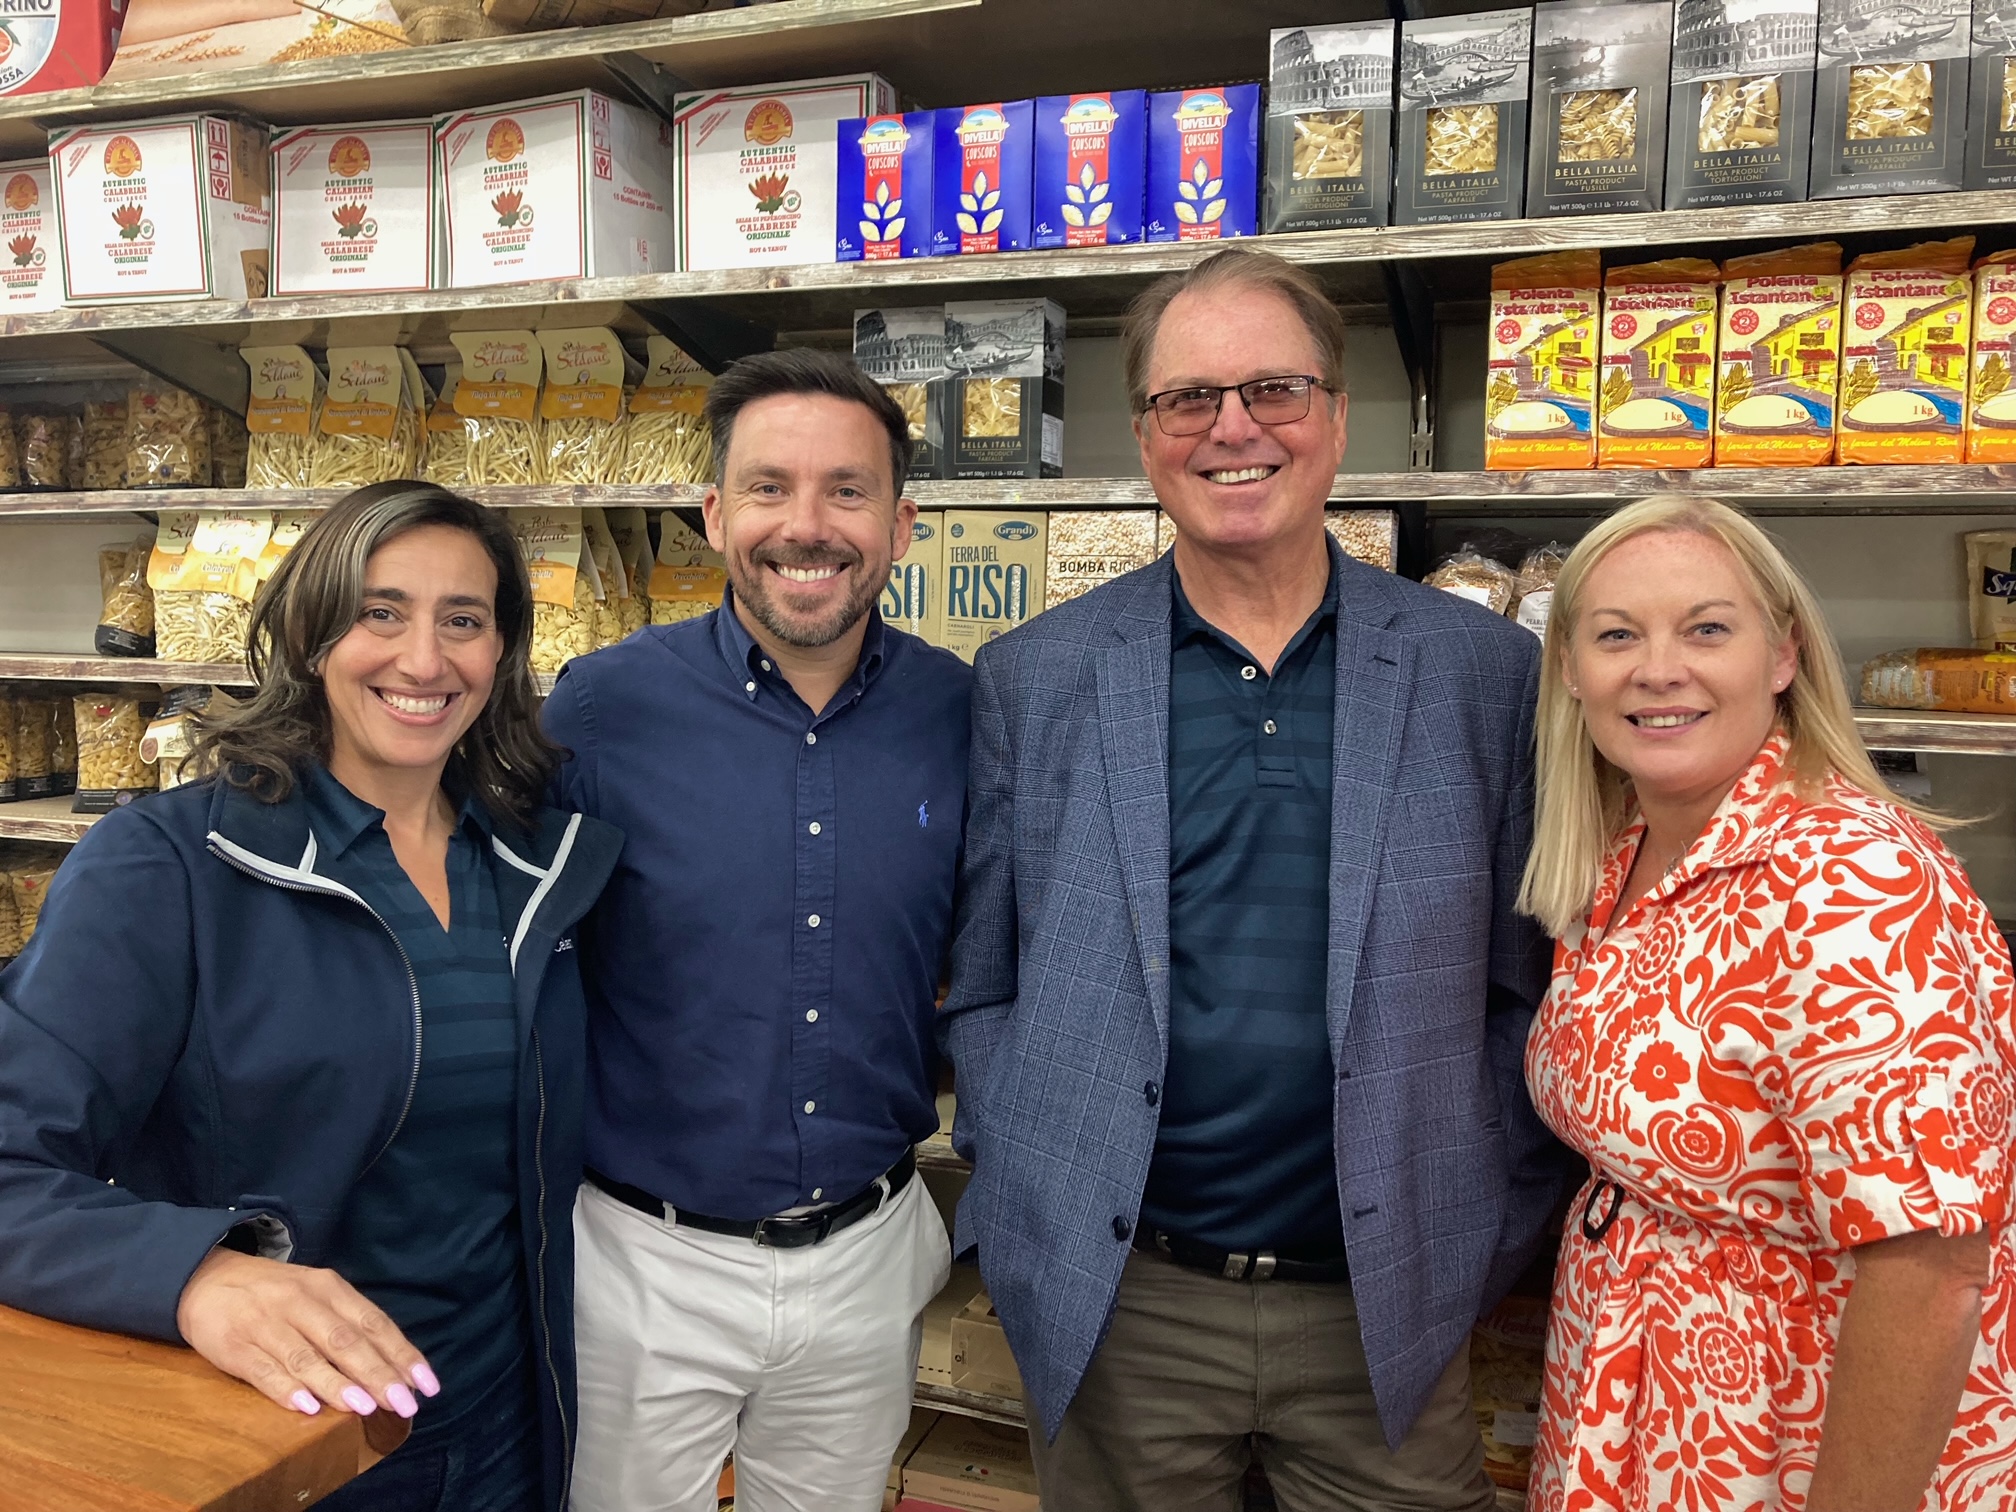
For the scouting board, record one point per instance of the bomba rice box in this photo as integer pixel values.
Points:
(1904, 354)
(1741, 114)
(1991, 401)
(1542, 359)
(1089, 547)
(1004, 398)
(1600, 77)
(886, 187)
(994, 564)
(754, 170)
(1091, 171)
(1203, 163)
(566, 186)
(1991, 97)
(1329, 127)
(29, 277)
(915, 597)
(984, 160)
(1462, 121)
(172, 209)
(353, 208)
(1779, 358)
(1657, 373)
(904, 351)
(1890, 97)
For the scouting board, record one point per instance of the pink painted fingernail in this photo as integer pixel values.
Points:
(401, 1400)
(358, 1400)
(427, 1382)
(304, 1400)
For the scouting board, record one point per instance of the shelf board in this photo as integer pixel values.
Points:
(44, 819)
(1924, 730)
(1006, 1410)
(31, 667)
(938, 1155)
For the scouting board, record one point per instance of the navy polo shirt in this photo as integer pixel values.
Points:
(431, 1231)
(1245, 1158)
(762, 969)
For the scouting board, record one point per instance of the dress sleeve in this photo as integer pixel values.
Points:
(1889, 1055)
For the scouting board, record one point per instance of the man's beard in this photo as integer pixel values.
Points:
(752, 587)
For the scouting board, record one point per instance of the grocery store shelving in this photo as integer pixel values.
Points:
(993, 1409)
(26, 666)
(44, 819)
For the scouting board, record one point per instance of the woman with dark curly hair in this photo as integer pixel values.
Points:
(291, 1071)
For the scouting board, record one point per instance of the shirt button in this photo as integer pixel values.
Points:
(1122, 1228)
(817, 1193)
(811, 1107)
(813, 826)
(1249, 673)
(1152, 1094)
(811, 1015)
(1268, 727)
(810, 738)
(766, 666)
(749, 687)
(813, 921)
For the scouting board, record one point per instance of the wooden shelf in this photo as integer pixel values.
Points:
(31, 667)
(44, 819)
(938, 1155)
(1922, 730)
(1008, 1410)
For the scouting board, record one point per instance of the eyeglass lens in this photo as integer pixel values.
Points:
(1270, 401)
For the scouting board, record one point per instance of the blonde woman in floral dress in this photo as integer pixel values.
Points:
(1780, 1030)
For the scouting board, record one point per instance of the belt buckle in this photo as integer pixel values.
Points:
(818, 1225)
(1593, 1229)
(1255, 1267)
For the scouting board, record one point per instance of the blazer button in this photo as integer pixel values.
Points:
(1151, 1094)
(1122, 1229)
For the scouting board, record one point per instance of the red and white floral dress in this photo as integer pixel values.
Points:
(1800, 1040)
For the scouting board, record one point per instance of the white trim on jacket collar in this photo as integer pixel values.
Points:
(546, 880)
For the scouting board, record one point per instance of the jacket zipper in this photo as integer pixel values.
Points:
(412, 980)
(546, 1323)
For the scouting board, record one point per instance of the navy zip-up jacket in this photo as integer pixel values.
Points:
(204, 1030)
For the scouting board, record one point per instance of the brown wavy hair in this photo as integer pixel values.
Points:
(311, 602)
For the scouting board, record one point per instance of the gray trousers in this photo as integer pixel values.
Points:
(1196, 1366)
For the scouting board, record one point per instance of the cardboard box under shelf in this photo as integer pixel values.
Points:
(972, 1465)
(981, 1359)
(934, 1361)
(922, 1421)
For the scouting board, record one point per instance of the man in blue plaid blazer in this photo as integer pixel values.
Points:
(1239, 998)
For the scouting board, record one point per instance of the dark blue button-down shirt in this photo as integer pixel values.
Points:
(763, 967)
(1245, 1158)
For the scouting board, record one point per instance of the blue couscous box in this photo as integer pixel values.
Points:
(1091, 168)
(985, 156)
(1203, 163)
(885, 187)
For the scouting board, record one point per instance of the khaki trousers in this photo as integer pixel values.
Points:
(1199, 1373)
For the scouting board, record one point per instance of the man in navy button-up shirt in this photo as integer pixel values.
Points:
(790, 775)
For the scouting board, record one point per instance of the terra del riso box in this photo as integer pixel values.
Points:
(1091, 168)
(30, 278)
(353, 208)
(994, 563)
(171, 209)
(568, 186)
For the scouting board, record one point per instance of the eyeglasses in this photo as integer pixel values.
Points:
(1270, 401)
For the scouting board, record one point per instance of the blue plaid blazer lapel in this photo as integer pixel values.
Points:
(1133, 677)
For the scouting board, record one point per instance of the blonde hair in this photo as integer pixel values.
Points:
(1582, 799)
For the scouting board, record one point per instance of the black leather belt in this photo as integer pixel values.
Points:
(1233, 1265)
(776, 1233)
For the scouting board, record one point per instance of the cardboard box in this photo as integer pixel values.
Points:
(966, 1463)
(179, 208)
(922, 1421)
(885, 166)
(58, 44)
(573, 185)
(1462, 124)
(1329, 127)
(1089, 547)
(1004, 398)
(1991, 401)
(1541, 393)
(30, 278)
(1657, 377)
(934, 1360)
(1203, 163)
(994, 562)
(981, 1359)
(1741, 112)
(984, 160)
(1890, 98)
(1778, 357)
(1991, 97)
(915, 598)
(177, 39)
(1090, 179)
(904, 351)
(1600, 77)
(1904, 352)
(353, 208)
(754, 170)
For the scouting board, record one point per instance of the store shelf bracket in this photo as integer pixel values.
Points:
(204, 368)
(1414, 332)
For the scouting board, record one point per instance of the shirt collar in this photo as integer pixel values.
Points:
(748, 665)
(339, 818)
(1186, 624)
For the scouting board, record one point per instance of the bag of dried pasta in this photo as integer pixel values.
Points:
(34, 746)
(370, 427)
(10, 459)
(111, 723)
(690, 575)
(632, 535)
(288, 526)
(229, 446)
(498, 396)
(30, 881)
(167, 437)
(669, 439)
(10, 918)
(203, 601)
(65, 746)
(1472, 575)
(581, 410)
(444, 452)
(104, 439)
(42, 444)
(612, 586)
(10, 788)
(126, 614)
(563, 585)
(280, 417)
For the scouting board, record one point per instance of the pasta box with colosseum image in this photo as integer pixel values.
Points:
(1462, 121)
(1329, 127)
(1991, 97)
(1203, 163)
(1741, 121)
(1091, 171)
(1904, 354)
(982, 163)
(886, 187)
